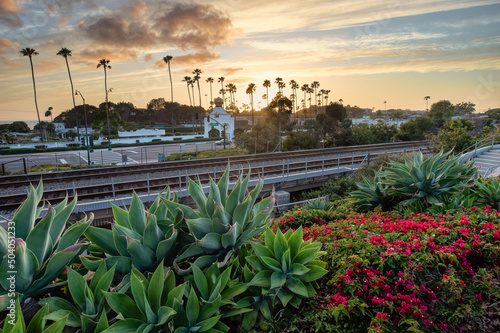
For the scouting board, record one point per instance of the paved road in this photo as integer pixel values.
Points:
(117, 156)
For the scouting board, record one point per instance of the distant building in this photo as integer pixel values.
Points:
(142, 133)
(219, 117)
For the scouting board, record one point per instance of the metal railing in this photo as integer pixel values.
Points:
(487, 142)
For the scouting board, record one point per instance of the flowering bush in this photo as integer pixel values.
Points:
(419, 272)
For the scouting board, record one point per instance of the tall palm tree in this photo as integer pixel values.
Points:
(29, 52)
(231, 88)
(167, 61)
(65, 53)
(320, 98)
(210, 80)
(305, 88)
(385, 105)
(427, 100)
(315, 85)
(310, 91)
(221, 80)
(197, 73)
(104, 63)
(48, 113)
(187, 79)
(250, 90)
(294, 85)
(279, 82)
(326, 97)
(267, 85)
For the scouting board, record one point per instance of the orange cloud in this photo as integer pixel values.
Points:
(230, 71)
(107, 53)
(5, 44)
(48, 66)
(62, 21)
(8, 7)
(8, 13)
(190, 59)
(148, 57)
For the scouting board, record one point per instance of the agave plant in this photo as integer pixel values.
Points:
(427, 180)
(136, 239)
(150, 306)
(372, 195)
(286, 265)
(222, 223)
(88, 314)
(38, 323)
(488, 191)
(38, 253)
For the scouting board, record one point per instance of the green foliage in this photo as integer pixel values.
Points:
(286, 265)
(142, 238)
(300, 140)
(488, 191)
(415, 129)
(15, 322)
(214, 133)
(263, 136)
(372, 195)
(441, 112)
(85, 308)
(222, 223)
(454, 135)
(149, 306)
(334, 188)
(38, 253)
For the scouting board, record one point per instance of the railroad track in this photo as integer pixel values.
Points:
(284, 164)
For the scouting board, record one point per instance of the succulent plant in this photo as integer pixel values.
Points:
(286, 265)
(150, 306)
(370, 196)
(222, 223)
(488, 191)
(427, 180)
(38, 323)
(136, 239)
(39, 253)
(88, 298)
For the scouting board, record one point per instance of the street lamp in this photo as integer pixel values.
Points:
(77, 93)
(223, 129)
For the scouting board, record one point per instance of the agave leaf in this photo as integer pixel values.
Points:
(278, 279)
(242, 212)
(77, 286)
(120, 235)
(123, 264)
(102, 238)
(228, 240)
(25, 216)
(142, 257)
(188, 212)
(61, 217)
(123, 304)
(209, 309)
(103, 285)
(313, 274)
(39, 241)
(4, 242)
(71, 321)
(155, 288)
(73, 234)
(121, 216)
(164, 314)
(199, 227)
(128, 325)
(137, 215)
(210, 242)
(223, 185)
(262, 279)
(26, 265)
(165, 247)
(198, 196)
(57, 327)
(297, 287)
(192, 308)
(152, 233)
(200, 281)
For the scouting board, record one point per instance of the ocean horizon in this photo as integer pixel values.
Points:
(31, 123)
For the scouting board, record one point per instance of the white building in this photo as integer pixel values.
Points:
(142, 133)
(219, 119)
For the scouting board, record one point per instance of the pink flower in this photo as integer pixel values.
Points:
(478, 297)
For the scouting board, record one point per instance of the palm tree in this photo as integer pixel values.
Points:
(64, 52)
(305, 88)
(250, 90)
(294, 85)
(310, 91)
(210, 80)
(326, 97)
(231, 88)
(197, 73)
(105, 65)
(167, 61)
(279, 82)
(385, 105)
(29, 52)
(427, 100)
(315, 85)
(48, 113)
(267, 85)
(187, 79)
(221, 80)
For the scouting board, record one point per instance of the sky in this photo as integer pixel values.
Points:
(364, 52)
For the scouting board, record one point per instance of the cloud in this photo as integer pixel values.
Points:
(190, 59)
(5, 44)
(137, 9)
(48, 66)
(196, 26)
(148, 57)
(62, 21)
(109, 53)
(9, 63)
(8, 7)
(230, 71)
(8, 13)
(117, 31)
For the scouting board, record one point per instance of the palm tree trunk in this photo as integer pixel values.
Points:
(199, 92)
(211, 97)
(73, 97)
(107, 108)
(253, 123)
(36, 104)
(189, 94)
(171, 87)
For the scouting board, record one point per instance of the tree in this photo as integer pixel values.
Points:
(281, 85)
(396, 115)
(415, 129)
(210, 80)
(465, 109)
(427, 98)
(455, 134)
(18, 127)
(197, 73)
(47, 127)
(315, 85)
(29, 52)
(48, 113)
(221, 80)
(250, 90)
(167, 60)
(104, 63)
(305, 88)
(267, 85)
(65, 53)
(294, 85)
(441, 112)
(187, 79)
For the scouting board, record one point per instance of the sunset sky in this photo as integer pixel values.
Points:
(364, 52)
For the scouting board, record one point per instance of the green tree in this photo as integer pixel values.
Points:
(47, 127)
(362, 134)
(415, 129)
(18, 127)
(301, 140)
(455, 134)
(383, 132)
(250, 90)
(465, 109)
(65, 53)
(30, 53)
(267, 85)
(441, 112)
(197, 77)
(48, 113)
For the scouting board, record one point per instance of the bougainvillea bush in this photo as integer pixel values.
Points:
(395, 273)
